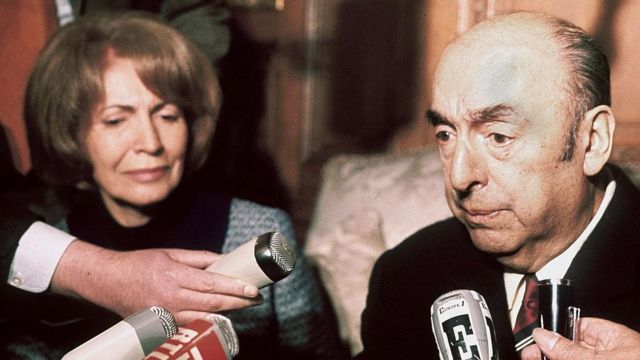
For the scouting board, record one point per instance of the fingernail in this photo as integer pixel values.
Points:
(545, 339)
(250, 291)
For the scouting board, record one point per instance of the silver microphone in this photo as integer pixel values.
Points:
(226, 333)
(463, 328)
(261, 261)
(132, 338)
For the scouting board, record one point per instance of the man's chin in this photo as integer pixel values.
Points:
(493, 242)
(509, 255)
(498, 252)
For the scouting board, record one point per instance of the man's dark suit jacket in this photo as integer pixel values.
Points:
(440, 258)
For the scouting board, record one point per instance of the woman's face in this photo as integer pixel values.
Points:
(136, 143)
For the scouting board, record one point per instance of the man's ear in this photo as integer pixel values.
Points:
(599, 126)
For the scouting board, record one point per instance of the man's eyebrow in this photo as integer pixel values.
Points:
(478, 116)
(435, 118)
(490, 113)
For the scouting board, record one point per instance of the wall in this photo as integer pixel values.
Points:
(24, 27)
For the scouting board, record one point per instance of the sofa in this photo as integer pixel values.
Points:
(365, 205)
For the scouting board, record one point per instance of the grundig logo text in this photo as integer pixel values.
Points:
(453, 306)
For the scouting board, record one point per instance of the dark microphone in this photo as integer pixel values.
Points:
(556, 308)
(260, 261)
(555, 298)
(211, 339)
(132, 338)
(463, 328)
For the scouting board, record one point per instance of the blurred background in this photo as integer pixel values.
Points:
(305, 80)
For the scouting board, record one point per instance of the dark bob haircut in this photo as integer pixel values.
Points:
(66, 84)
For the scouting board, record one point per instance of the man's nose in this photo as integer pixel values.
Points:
(148, 138)
(467, 169)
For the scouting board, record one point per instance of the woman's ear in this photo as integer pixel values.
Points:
(599, 126)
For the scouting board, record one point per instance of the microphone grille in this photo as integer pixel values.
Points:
(282, 253)
(168, 321)
(274, 255)
(227, 331)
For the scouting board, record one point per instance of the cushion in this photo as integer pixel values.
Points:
(407, 190)
(366, 204)
(345, 257)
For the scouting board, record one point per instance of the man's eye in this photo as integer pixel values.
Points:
(443, 136)
(500, 139)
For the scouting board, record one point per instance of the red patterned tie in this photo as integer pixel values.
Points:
(527, 318)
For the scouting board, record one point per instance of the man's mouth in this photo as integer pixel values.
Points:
(480, 216)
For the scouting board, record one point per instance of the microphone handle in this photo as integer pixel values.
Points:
(131, 338)
(241, 263)
(118, 342)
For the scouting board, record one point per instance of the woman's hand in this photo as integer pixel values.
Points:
(125, 282)
(597, 339)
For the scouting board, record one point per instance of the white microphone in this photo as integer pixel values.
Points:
(260, 261)
(211, 339)
(463, 328)
(132, 338)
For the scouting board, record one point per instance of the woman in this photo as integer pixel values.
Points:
(120, 113)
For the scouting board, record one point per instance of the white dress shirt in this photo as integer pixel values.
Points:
(39, 251)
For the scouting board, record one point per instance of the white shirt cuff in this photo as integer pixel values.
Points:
(39, 251)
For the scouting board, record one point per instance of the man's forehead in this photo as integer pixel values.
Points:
(495, 76)
(479, 72)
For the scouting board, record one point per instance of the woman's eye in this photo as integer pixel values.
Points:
(112, 122)
(170, 114)
(170, 117)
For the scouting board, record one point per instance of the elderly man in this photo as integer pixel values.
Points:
(521, 114)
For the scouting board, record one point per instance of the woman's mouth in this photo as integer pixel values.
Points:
(147, 175)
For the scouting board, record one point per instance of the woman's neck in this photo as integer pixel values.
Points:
(126, 215)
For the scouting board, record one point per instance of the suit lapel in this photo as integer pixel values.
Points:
(489, 282)
(496, 298)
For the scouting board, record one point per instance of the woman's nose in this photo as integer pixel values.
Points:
(148, 139)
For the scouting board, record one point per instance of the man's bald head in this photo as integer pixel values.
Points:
(572, 56)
